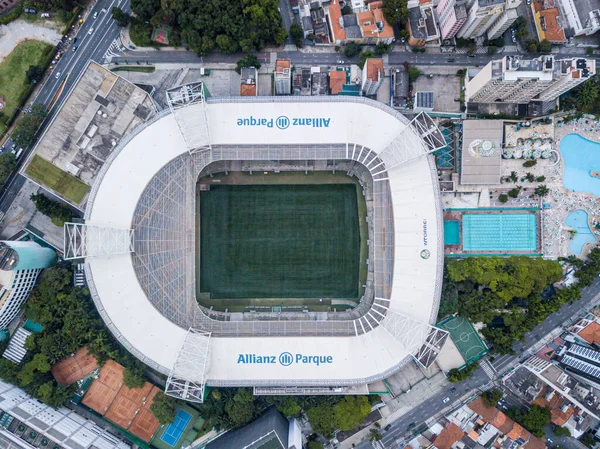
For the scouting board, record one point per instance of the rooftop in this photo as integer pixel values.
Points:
(100, 110)
(481, 155)
(337, 79)
(591, 333)
(447, 437)
(374, 68)
(335, 16)
(547, 23)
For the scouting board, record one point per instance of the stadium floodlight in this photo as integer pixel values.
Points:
(188, 377)
(82, 240)
(188, 105)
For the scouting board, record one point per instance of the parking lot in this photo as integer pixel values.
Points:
(445, 87)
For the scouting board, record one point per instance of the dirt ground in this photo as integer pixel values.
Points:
(18, 31)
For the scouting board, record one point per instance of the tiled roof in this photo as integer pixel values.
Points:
(374, 67)
(248, 90)
(282, 64)
(486, 412)
(553, 31)
(591, 333)
(448, 436)
(337, 78)
(335, 14)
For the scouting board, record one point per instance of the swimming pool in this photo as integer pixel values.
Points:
(578, 220)
(580, 157)
(452, 232)
(499, 232)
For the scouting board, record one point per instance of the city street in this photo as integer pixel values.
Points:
(480, 381)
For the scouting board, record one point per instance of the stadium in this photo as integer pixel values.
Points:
(290, 244)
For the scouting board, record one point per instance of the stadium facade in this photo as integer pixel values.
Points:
(138, 241)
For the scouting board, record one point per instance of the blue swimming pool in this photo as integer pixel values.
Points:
(580, 157)
(578, 220)
(499, 232)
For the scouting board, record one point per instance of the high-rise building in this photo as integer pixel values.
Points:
(372, 76)
(20, 264)
(504, 20)
(452, 16)
(481, 14)
(516, 80)
(582, 16)
(283, 77)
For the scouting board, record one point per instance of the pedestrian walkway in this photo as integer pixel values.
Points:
(488, 369)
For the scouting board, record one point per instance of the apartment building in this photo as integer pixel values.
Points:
(20, 264)
(422, 25)
(283, 77)
(516, 80)
(452, 16)
(504, 20)
(582, 16)
(372, 76)
(365, 27)
(481, 14)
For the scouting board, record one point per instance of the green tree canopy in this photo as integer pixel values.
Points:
(58, 212)
(28, 125)
(491, 397)
(8, 162)
(247, 61)
(163, 408)
(120, 17)
(395, 11)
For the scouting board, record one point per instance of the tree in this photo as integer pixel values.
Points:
(314, 445)
(247, 61)
(225, 44)
(363, 58)
(491, 397)
(522, 32)
(395, 12)
(34, 73)
(28, 125)
(350, 412)
(513, 193)
(529, 163)
(134, 378)
(457, 376)
(321, 419)
(561, 432)
(163, 408)
(530, 177)
(545, 46)
(472, 48)
(145, 9)
(8, 162)
(535, 419)
(346, 10)
(120, 17)
(374, 435)
(588, 440)
(492, 49)
(297, 34)
(58, 212)
(382, 48)
(541, 190)
(413, 74)
(503, 198)
(351, 49)
(532, 46)
(588, 96)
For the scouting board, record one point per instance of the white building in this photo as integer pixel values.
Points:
(504, 20)
(62, 426)
(20, 264)
(481, 14)
(372, 76)
(283, 77)
(582, 16)
(452, 16)
(515, 80)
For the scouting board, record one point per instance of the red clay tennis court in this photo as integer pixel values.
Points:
(128, 408)
(71, 369)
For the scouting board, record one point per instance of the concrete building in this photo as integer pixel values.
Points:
(516, 80)
(504, 20)
(20, 264)
(283, 77)
(372, 76)
(452, 16)
(548, 24)
(249, 82)
(27, 422)
(582, 16)
(481, 14)
(422, 25)
(365, 27)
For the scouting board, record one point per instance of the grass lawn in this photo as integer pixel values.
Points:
(149, 69)
(14, 86)
(54, 178)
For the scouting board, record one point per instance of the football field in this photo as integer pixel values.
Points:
(279, 241)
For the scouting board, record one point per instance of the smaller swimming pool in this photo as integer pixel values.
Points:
(452, 232)
(578, 220)
(581, 156)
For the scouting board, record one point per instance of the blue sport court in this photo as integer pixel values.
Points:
(499, 232)
(174, 430)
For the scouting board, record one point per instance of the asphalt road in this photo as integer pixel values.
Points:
(398, 433)
(90, 46)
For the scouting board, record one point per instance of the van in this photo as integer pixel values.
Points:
(19, 153)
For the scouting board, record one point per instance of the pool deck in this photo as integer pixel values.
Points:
(554, 234)
(457, 215)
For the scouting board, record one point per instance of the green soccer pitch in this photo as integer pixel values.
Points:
(279, 241)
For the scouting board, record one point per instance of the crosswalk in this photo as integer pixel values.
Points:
(488, 369)
(115, 49)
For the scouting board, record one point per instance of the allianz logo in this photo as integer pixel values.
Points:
(284, 122)
(284, 359)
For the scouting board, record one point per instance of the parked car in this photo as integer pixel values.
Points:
(57, 76)
(446, 400)
(388, 427)
(45, 15)
(450, 59)
(91, 31)
(453, 389)
(75, 47)
(411, 425)
(95, 14)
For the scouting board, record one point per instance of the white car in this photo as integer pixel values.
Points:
(446, 400)
(91, 31)
(95, 14)
(57, 76)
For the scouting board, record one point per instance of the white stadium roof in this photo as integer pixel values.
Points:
(136, 298)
